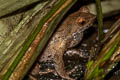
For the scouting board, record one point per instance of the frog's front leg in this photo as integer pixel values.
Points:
(78, 52)
(58, 59)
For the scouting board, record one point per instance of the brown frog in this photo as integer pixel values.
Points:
(68, 35)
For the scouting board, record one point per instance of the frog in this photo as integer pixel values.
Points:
(68, 35)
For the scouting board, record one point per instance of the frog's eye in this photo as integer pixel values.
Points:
(81, 21)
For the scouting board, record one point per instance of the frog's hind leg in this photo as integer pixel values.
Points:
(59, 67)
(58, 59)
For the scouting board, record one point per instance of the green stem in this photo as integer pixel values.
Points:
(100, 20)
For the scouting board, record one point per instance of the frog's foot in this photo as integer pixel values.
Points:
(59, 67)
(47, 72)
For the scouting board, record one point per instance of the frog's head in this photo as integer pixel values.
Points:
(80, 21)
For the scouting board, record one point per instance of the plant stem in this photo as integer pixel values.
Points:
(100, 20)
